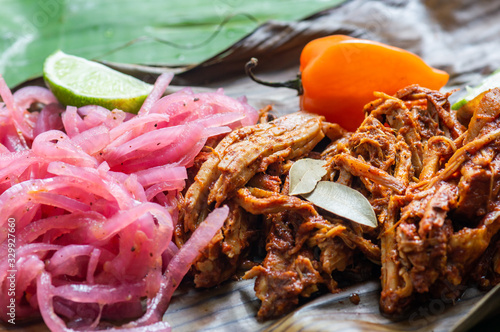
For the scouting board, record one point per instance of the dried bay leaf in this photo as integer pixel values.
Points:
(305, 174)
(343, 201)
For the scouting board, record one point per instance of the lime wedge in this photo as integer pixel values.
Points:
(77, 82)
(490, 82)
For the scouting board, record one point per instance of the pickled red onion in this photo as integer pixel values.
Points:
(159, 88)
(93, 194)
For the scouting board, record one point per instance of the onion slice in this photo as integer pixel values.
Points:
(180, 265)
(94, 195)
(159, 88)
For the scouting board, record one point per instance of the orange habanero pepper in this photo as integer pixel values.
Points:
(339, 75)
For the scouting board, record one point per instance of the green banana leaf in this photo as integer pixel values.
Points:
(169, 33)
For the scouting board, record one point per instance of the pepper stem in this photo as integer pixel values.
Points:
(295, 84)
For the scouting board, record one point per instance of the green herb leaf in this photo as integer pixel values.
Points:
(305, 174)
(344, 202)
(153, 32)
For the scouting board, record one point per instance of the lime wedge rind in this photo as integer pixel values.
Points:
(490, 82)
(78, 82)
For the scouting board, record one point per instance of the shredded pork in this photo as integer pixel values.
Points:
(432, 180)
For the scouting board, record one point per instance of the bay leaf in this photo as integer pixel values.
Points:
(305, 174)
(344, 202)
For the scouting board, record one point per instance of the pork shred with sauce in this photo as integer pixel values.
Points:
(430, 173)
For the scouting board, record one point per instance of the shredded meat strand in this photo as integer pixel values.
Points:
(431, 174)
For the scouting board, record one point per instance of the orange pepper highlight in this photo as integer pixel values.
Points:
(340, 74)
